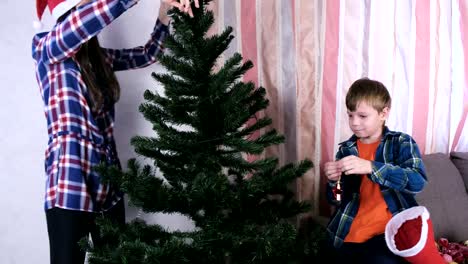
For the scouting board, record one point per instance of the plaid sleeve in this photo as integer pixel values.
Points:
(85, 22)
(139, 57)
(407, 172)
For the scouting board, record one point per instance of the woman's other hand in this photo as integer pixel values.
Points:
(182, 5)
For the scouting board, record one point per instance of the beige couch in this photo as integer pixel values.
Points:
(446, 194)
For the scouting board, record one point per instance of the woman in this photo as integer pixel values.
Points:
(79, 89)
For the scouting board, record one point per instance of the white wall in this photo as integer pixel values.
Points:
(23, 137)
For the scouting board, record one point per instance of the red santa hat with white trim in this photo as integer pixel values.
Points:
(57, 8)
(410, 234)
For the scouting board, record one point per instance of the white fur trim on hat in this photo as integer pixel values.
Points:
(37, 25)
(63, 7)
(391, 229)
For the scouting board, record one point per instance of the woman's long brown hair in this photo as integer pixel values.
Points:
(100, 79)
(101, 82)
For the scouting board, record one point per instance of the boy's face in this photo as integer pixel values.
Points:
(366, 122)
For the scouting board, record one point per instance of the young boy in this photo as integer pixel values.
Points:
(376, 174)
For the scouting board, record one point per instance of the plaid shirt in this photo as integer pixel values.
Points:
(78, 138)
(397, 168)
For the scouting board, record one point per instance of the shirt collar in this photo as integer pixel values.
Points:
(351, 142)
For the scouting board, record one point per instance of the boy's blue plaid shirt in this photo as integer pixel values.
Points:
(397, 168)
(78, 138)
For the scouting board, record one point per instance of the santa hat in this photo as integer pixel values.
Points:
(56, 7)
(409, 234)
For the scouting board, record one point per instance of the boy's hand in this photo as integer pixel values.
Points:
(332, 170)
(355, 165)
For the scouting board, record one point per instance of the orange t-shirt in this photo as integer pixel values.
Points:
(373, 213)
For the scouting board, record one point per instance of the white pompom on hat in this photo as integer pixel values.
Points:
(57, 8)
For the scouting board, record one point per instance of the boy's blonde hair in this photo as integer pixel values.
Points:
(370, 91)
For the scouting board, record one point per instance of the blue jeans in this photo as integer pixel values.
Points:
(373, 251)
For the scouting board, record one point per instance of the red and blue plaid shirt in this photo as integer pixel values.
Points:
(398, 169)
(78, 138)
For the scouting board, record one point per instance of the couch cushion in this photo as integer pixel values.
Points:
(445, 197)
(460, 159)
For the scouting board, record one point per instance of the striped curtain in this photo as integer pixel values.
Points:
(306, 53)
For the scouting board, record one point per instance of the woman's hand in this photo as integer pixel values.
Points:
(183, 5)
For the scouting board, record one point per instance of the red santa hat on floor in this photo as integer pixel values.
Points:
(57, 8)
(409, 234)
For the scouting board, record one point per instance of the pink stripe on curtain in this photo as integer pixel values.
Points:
(463, 29)
(269, 63)
(249, 45)
(330, 76)
(306, 47)
(214, 7)
(249, 37)
(421, 73)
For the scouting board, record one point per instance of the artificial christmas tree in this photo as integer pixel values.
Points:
(242, 210)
